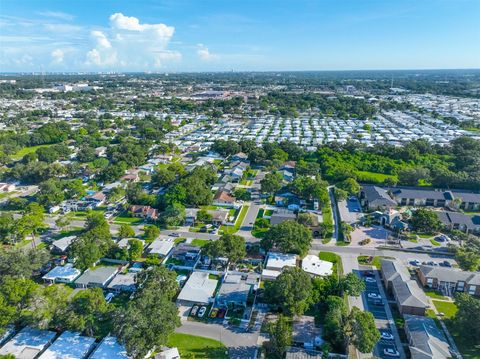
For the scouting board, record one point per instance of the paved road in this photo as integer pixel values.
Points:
(336, 222)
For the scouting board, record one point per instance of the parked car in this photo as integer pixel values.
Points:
(432, 263)
(109, 297)
(368, 273)
(370, 280)
(391, 352)
(415, 262)
(173, 234)
(374, 296)
(214, 313)
(202, 311)
(221, 313)
(445, 264)
(194, 310)
(386, 335)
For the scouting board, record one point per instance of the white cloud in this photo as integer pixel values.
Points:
(57, 15)
(57, 56)
(127, 43)
(205, 54)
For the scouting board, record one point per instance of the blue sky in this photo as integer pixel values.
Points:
(263, 35)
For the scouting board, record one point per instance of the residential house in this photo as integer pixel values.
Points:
(160, 247)
(187, 253)
(97, 199)
(190, 216)
(219, 217)
(314, 266)
(145, 212)
(69, 345)
(390, 218)
(199, 289)
(409, 297)
(234, 291)
(223, 198)
(276, 262)
(460, 221)
(374, 198)
(109, 348)
(131, 177)
(305, 333)
(449, 280)
(123, 282)
(469, 201)
(422, 197)
(282, 216)
(28, 343)
(425, 339)
(61, 246)
(97, 277)
(62, 274)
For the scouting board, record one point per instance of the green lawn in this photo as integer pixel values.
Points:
(447, 308)
(199, 242)
(127, 219)
(434, 294)
(238, 222)
(376, 261)
(335, 259)
(268, 212)
(434, 243)
(197, 347)
(365, 176)
(327, 219)
(19, 155)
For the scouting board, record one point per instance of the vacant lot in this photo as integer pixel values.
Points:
(197, 347)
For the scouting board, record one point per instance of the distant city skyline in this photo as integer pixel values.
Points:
(247, 35)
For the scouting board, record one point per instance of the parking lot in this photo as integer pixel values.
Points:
(374, 303)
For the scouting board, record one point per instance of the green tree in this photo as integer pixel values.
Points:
(230, 246)
(280, 337)
(204, 216)
(174, 215)
(349, 185)
(362, 331)
(31, 221)
(88, 312)
(289, 237)
(22, 262)
(135, 249)
(340, 194)
(149, 319)
(271, 183)
(334, 322)
(126, 231)
(425, 221)
(352, 284)
(468, 316)
(151, 232)
(291, 291)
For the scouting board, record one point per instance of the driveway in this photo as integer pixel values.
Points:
(350, 211)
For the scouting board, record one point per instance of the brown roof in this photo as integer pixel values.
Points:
(223, 196)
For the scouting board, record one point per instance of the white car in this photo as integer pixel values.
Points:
(370, 280)
(391, 352)
(374, 296)
(202, 311)
(386, 336)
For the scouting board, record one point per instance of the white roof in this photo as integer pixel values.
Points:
(69, 345)
(64, 243)
(66, 273)
(268, 273)
(161, 247)
(199, 288)
(109, 348)
(28, 343)
(314, 265)
(280, 260)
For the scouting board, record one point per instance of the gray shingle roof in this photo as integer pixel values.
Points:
(453, 275)
(427, 340)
